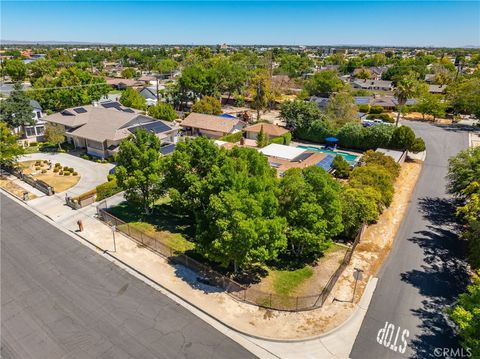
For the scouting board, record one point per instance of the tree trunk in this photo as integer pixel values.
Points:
(398, 117)
(235, 266)
(258, 114)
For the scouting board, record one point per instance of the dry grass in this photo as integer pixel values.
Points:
(14, 188)
(59, 182)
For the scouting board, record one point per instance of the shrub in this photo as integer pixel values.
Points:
(107, 189)
(341, 167)
(233, 137)
(38, 163)
(374, 176)
(37, 168)
(376, 158)
(70, 169)
(55, 169)
(45, 161)
(58, 165)
(86, 195)
(376, 109)
(403, 138)
(74, 174)
(382, 116)
(364, 108)
(44, 171)
(66, 173)
(110, 177)
(418, 145)
(33, 144)
(60, 173)
(85, 157)
(65, 168)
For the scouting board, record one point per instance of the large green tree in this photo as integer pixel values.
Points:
(310, 201)
(466, 314)
(10, 150)
(430, 104)
(360, 206)
(208, 105)
(341, 109)
(71, 87)
(16, 69)
(324, 83)
(163, 111)
(464, 96)
(138, 170)
(132, 98)
(16, 110)
(463, 169)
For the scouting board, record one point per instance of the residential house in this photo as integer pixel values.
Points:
(199, 124)
(99, 128)
(150, 94)
(379, 85)
(34, 132)
(437, 89)
(122, 84)
(320, 101)
(282, 158)
(271, 130)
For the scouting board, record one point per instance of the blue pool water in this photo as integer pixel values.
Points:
(350, 158)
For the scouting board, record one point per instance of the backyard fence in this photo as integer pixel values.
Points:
(211, 277)
(38, 184)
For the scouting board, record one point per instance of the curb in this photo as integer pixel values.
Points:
(362, 305)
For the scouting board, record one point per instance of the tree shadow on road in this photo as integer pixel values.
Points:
(439, 211)
(442, 277)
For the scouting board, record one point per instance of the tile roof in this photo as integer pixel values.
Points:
(268, 128)
(212, 123)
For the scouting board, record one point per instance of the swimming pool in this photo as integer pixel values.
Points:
(350, 158)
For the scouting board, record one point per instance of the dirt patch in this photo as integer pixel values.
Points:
(45, 171)
(14, 188)
(417, 116)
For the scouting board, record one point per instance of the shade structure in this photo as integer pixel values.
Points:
(331, 139)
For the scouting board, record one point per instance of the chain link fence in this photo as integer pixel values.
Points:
(214, 278)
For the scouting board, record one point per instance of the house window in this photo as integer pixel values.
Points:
(40, 130)
(30, 131)
(95, 144)
(39, 115)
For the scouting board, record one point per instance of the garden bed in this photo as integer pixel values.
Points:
(59, 177)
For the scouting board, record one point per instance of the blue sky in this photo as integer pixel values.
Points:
(396, 23)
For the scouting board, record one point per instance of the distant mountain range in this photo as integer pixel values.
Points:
(53, 42)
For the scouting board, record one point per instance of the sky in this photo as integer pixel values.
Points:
(383, 23)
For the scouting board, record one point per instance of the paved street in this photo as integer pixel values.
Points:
(60, 299)
(424, 271)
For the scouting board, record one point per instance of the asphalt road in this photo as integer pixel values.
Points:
(59, 299)
(425, 270)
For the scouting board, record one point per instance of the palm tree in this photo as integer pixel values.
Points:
(407, 87)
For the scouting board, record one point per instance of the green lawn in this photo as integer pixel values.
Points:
(286, 281)
(161, 224)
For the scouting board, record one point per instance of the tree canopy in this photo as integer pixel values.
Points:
(16, 109)
(138, 170)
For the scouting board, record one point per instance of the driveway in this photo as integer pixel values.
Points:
(425, 270)
(60, 299)
(91, 173)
